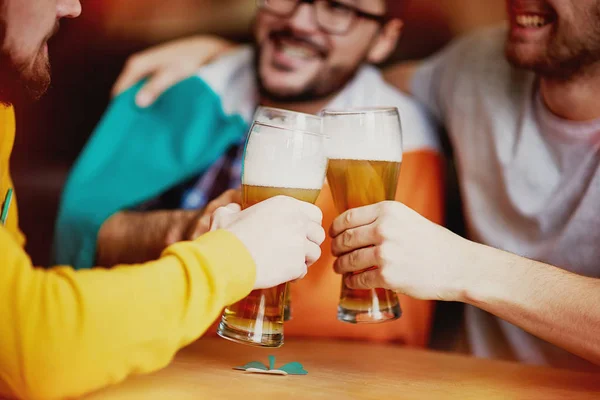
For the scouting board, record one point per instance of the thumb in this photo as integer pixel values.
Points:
(221, 217)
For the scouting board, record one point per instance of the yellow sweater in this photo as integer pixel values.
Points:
(65, 333)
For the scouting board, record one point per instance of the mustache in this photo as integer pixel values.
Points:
(287, 34)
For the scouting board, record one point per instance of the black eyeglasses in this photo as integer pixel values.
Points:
(332, 16)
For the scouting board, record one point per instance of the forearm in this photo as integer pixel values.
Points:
(136, 237)
(553, 304)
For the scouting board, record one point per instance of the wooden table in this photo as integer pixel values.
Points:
(349, 370)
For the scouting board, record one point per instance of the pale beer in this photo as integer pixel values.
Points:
(242, 315)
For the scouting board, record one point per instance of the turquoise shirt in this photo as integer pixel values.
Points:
(136, 154)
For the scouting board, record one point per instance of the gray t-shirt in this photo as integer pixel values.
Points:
(530, 181)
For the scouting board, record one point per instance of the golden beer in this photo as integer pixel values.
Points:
(243, 315)
(285, 155)
(357, 183)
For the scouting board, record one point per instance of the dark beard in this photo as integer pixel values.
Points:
(21, 81)
(567, 57)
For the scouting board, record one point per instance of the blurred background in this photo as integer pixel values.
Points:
(89, 52)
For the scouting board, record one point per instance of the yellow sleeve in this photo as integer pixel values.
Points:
(64, 333)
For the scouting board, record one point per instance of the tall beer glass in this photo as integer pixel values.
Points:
(278, 160)
(293, 120)
(365, 154)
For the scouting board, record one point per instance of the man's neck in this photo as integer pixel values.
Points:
(307, 107)
(575, 99)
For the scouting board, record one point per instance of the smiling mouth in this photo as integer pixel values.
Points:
(297, 47)
(526, 20)
(295, 51)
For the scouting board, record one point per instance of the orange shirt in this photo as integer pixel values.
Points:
(315, 298)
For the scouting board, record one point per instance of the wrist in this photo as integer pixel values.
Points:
(470, 271)
(490, 277)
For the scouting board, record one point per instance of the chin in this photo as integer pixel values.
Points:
(524, 56)
(37, 77)
(276, 86)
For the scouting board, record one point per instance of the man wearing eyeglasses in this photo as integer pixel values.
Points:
(163, 163)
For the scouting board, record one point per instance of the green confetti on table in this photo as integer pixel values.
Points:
(293, 368)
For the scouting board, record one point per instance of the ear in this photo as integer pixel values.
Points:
(385, 42)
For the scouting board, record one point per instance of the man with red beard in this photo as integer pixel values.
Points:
(521, 108)
(64, 333)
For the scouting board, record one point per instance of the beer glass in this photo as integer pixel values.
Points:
(294, 120)
(365, 154)
(278, 160)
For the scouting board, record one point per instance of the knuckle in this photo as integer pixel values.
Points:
(381, 255)
(354, 258)
(362, 280)
(349, 217)
(381, 231)
(220, 213)
(384, 254)
(386, 207)
(348, 238)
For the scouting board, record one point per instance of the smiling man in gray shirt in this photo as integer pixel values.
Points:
(522, 109)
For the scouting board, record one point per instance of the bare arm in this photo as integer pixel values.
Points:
(136, 237)
(424, 260)
(551, 303)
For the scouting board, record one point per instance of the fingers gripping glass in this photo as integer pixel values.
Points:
(285, 155)
(335, 17)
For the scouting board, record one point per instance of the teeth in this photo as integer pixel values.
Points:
(531, 21)
(295, 51)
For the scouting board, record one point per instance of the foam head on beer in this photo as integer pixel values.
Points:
(283, 161)
(365, 155)
(372, 134)
(288, 119)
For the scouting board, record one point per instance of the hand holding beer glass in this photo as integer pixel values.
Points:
(279, 159)
(295, 120)
(365, 154)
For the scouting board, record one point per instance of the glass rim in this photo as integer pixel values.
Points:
(289, 129)
(311, 116)
(361, 110)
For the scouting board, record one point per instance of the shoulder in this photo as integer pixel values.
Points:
(231, 78)
(486, 45)
(478, 59)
